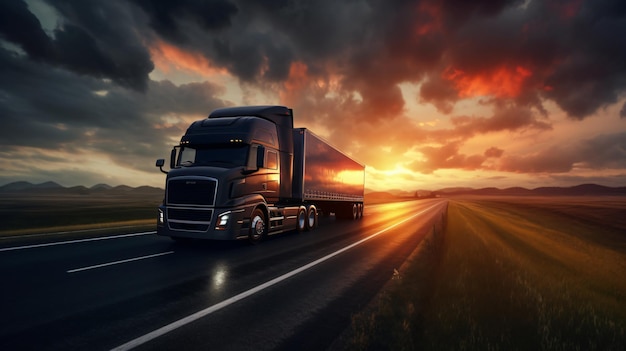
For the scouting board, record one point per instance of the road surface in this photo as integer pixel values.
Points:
(145, 292)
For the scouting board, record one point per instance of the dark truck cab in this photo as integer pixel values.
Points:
(245, 172)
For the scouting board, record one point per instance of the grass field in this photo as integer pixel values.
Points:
(510, 274)
(34, 213)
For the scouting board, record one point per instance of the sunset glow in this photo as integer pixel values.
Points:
(502, 82)
(169, 59)
(425, 94)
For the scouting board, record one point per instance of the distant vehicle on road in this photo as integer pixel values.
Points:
(246, 172)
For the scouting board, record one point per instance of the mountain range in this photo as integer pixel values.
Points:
(578, 190)
(55, 188)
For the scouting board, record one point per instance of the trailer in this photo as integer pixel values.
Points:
(245, 173)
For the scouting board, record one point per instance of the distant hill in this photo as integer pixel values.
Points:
(454, 190)
(47, 185)
(101, 187)
(578, 190)
(52, 188)
(16, 186)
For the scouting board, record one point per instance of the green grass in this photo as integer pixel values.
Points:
(536, 274)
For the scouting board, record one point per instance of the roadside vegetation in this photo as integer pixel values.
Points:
(37, 213)
(509, 274)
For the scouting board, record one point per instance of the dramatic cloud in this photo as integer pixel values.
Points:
(94, 38)
(505, 118)
(447, 156)
(365, 74)
(52, 109)
(551, 160)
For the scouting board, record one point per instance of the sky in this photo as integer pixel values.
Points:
(427, 94)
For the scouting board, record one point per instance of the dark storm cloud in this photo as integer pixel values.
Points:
(587, 62)
(94, 38)
(568, 48)
(38, 100)
(604, 151)
(168, 18)
(568, 51)
(51, 108)
(20, 26)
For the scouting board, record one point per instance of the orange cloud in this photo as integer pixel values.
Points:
(298, 77)
(297, 82)
(503, 81)
(168, 58)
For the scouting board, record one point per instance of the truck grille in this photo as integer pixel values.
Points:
(195, 191)
(191, 219)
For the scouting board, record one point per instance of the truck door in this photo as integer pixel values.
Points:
(272, 179)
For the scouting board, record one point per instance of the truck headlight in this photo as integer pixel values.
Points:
(161, 216)
(222, 221)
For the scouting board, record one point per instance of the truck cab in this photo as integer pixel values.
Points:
(220, 171)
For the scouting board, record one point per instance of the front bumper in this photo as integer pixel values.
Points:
(204, 223)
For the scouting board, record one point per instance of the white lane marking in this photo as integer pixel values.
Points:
(118, 262)
(200, 314)
(74, 241)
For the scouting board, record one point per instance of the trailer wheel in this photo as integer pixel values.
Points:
(355, 211)
(257, 226)
(311, 217)
(360, 210)
(301, 223)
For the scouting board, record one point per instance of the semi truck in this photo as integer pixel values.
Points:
(246, 173)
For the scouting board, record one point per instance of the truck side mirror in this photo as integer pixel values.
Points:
(159, 163)
(260, 157)
(255, 159)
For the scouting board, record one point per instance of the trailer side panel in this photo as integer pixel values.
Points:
(323, 172)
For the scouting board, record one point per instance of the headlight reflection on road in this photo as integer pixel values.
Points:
(219, 276)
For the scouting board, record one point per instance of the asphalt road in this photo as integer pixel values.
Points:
(292, 291)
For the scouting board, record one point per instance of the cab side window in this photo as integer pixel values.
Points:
(271, 161)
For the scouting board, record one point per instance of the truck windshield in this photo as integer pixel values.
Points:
(213, 156)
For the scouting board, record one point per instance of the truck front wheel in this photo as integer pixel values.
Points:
(257, 226)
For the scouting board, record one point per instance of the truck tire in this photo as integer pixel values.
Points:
(301, 222)
(258, 229)
(347, 211)
(311, 218)
(355, 212)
